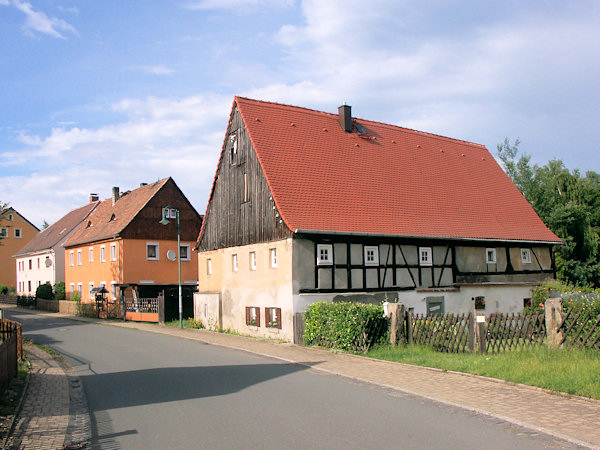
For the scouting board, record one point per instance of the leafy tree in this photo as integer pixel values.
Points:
(569, 204)
(59, 290)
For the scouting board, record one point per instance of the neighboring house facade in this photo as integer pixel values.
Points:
(42, 260)
(308, 206)
(15, 232)
(122, 246)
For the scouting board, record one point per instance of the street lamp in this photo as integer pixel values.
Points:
(168, 212)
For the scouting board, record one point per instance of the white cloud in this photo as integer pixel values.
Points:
(38, 21)
(161, 137)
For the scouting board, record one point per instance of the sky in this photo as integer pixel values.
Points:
(95, 94)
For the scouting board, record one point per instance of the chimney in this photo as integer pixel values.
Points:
(115, 195)
(93, 198)
(345, 117)
(143, 184)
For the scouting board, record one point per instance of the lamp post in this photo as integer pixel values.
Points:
(167, 212)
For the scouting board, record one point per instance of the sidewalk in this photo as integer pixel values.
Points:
(571, 418)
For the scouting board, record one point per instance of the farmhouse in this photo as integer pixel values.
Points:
(308, 206)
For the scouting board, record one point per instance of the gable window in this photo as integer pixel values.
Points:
(233, 147)
(78, 257)
(425, 256)
(10, 217)
(209, 266)
(18, 233)
(3, 232)
(152, 251)
(71, 258)
(490, 255)
(102, 253)
(324, 254)
(113, 251)
(252, 260)
(234, 262)
(91, 254)
(273, 317)
(184, 252)
(525, 256)
(253, 316)
(371, 255)
(273, 253)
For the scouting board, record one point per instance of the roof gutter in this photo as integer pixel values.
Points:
(439, 238)
(103, 238)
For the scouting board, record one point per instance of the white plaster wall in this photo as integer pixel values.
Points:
(36, 276)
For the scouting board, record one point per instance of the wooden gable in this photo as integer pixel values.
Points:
(241, 209)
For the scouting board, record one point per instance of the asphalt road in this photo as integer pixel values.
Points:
(152, 391)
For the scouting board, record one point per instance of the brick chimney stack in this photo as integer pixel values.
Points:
(345, 117)
(115, 194)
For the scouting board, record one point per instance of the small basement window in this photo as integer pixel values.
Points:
(371, 255)
(425, 256)
(490, 255)
(273, 317)
(253, 316)
(324, 254)
(525, 256)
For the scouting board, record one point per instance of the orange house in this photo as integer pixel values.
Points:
(15, 232)
(123, 246)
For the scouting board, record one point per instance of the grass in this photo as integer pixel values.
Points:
(185, 323)
(570, 370)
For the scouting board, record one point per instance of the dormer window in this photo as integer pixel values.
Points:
(113, 217)
(89, 224)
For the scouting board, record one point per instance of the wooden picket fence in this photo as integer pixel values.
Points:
(580, 327)
(505, 332)
(447, 333)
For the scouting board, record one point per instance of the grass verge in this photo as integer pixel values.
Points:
(185, 323)
(570, 370)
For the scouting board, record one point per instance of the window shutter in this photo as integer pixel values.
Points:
(258, 317)
(247, 315)
(279, 318)
(267, 317)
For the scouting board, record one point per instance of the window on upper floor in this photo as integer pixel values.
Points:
(30, 264)
(10, 217)
(371, 254)
(71, 259)
(324, 254)
(113, 251)
(525, 256)
(184, 252)
(152, 251)
(252, 260)
(38, 263)
(78, 257)
(234, 262)
(490, 255)
(233, 147)
(17, 233)
(91, 254)
(273, 253)
(425, 256)
(209, 266)
(102, 253)
(3, 232)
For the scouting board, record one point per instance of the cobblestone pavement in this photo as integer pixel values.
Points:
(575, 419)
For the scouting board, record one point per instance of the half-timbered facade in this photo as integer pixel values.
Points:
(309, 206)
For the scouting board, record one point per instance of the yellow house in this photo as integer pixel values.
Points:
(123, 246)
(15, 232)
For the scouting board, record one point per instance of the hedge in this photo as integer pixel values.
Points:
(345, 326)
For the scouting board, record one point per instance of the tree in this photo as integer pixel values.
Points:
(44, 291)
(568, 204)
(59, 290)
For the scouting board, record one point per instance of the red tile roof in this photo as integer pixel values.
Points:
(387, 180)
(102, 224)
(49, 237)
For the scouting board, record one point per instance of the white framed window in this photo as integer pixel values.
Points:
(273, 317)
(425, 256)
(234, 262)
(253, 316)
(113, 251)
(113, 289)
(91, 251)
(371, 255)
(17, 233)
(80, 288)
(152, 251)
(525, 256)
(71, 258)
(72, 287)
(273, 253)
(490, 255)
(171, 213)
(78, 257)
(252, 260)
(3, 232)
(184, 252)
(102, 253)
(324, 254)
(209, 266)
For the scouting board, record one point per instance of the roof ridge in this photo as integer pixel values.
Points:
(384, 124)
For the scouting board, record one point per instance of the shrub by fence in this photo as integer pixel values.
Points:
(345, 325)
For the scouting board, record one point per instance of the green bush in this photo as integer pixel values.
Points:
(3, 289)
(75, 296)
(59, 290)
(345, 325)
(44, 291)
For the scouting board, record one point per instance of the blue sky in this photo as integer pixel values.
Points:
(98, 94)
